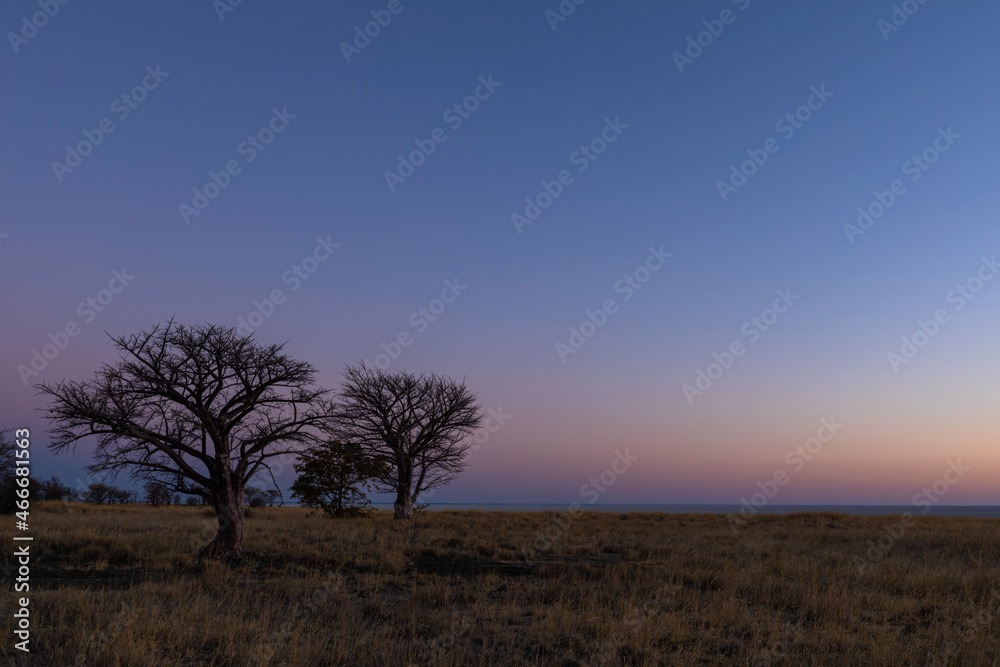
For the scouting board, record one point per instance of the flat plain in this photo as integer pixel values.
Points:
(121, 585)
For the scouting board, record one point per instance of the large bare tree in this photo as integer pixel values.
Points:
(416, 424)
(199, 409)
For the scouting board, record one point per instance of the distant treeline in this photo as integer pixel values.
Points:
(106, 494)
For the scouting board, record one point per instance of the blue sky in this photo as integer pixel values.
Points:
(323, 176)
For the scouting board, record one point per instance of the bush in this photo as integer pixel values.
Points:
(334, 476)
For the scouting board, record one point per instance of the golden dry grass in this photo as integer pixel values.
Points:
(121, 586)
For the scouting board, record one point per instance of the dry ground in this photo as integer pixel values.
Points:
(121, 586)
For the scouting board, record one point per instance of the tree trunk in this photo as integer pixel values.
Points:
(403, 507)
(228, 542)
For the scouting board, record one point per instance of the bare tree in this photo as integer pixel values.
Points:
(11, 483)
(7, 449)
(100, 493)
(53, 489)
(199, 409)
(157, 494)
(8, 459)
(255, 497)
(122, 496)
(414, 424)
(261, 497)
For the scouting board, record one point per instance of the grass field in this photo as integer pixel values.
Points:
(121, 586)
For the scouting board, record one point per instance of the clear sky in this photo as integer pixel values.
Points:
(631, 137)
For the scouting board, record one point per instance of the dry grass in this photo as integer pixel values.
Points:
(121, 586)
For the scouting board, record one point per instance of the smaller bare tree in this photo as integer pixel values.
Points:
(8, 486)
(157, 494)
(6, 452)
(122, 496)
(415, 424)
(54, 490)
(99, 493)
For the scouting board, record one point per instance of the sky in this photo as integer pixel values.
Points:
(721, 243)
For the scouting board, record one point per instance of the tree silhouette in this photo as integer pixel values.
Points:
(53, 489)
(156, 494)
(200, 409)
(100, 493)
(8, 485)
(261, 497)
(414, 424)
(7, 448)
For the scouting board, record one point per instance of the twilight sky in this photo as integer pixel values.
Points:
(593, 151)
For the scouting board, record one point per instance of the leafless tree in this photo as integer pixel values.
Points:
(53, 489)
(100, 493)
(415, 424)
(200, 409)
(122, 496)
(7, 449)
(261, 497)
(8, 486)
(156, 494)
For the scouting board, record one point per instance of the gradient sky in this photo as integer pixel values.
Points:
(656, 185)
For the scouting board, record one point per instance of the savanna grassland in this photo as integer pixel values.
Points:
(121, 585)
